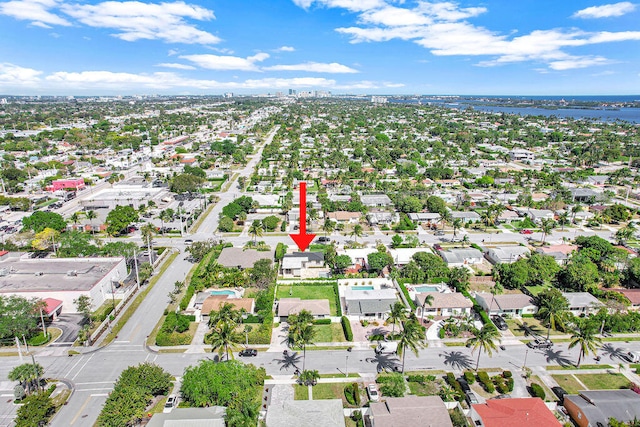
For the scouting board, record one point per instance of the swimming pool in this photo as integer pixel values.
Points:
(363, 288)
(223, 292)
(426, 289)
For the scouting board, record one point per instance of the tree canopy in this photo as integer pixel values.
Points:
(119, 218)
(40, 220)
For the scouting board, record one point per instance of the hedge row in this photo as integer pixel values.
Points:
(469, 377)
(322, 322)
(346, 326)
(453, 382)
(406, 296)
(483, 377)
(422, 379)
(338, 307)
(537, 391)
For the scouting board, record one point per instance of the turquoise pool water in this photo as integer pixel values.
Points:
(426, 288)
(363, 288)
(223, 292)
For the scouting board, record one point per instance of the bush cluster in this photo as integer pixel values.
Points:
(346, 326)
(453, 382)
(392, 385)
(469, 377)
(422, 379)
(486, 382)
(322, 322)
(537, 391)
(352, 394)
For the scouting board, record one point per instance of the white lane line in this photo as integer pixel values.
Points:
(99, 394)
(74, 366)
(96, 382)
(81, 368)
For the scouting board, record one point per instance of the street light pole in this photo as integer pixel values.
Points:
(526, 353)
(135, 263)
(346, 366)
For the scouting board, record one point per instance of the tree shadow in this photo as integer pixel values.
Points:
(378, 331)
(557, 357)
(530, 330)
(613, 352)
(457, 359)
(385, 362)
(289, 360)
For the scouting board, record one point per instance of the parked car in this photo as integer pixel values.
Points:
(248, 352)
(500, 323)
(464, 385)
(560, 392)
(372, 391)
(323, 239)
(188, 242)
(526, 231)
(632, 356)
(540, 343)
(472, 399)
(172, 402)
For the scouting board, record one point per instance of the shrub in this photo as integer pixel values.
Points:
(392, 385)
(346, 326)
(352, 394)
(252, 319)
(420, 378)
(322, 322)
(510, 384)
(507, 374)
(469, 377)
(483, 377)
(453, 382)
(537, 390)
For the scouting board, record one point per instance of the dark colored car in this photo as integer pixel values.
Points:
(324, 239)
(472, 399)
(464, 385)
(560, 392)
(500, 323)
(248, 352)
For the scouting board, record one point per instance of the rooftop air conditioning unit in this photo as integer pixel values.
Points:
(72, 273)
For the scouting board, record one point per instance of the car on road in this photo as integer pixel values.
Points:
(372, 391)
(323, 239)
(540, 343)
(526, 231)
(188, 242)
(248, 352)
(172, 402)
(471, 397)
(500, 323)
(439, 233)
(632, 356)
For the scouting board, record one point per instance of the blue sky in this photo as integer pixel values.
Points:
(492, 47)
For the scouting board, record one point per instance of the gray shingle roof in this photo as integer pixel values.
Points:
(238, 257)
(600, 405)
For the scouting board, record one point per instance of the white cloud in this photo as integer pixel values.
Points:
(176, 66)
(443, 29)
(285, 49)
(36, 11)
(351, 5)
(136, 20)
(314, 67)
(172, 52)
(217, 62)
(15, 75)
(606, 10)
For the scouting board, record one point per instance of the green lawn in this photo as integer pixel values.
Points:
(309, 292)
(569, 383)
(429, 388)
(329, 333)
(571, 367)
(534, 324)
(301, 392)
(604, 381)
(535, 290)
(328, 391)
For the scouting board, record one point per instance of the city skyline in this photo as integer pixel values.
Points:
(55, 47)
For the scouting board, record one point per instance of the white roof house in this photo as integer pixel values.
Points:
(458, 257)
(582, 302)
(506, 254)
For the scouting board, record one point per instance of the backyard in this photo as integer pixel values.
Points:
(573, 383)
(310, 292)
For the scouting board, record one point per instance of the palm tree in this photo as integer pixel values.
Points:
(625, 233)
(552, 308)
(256, 229)
(356, 232)
(445, 216)
(75, 217)
(163, 216)
(328, 227)
(397, 314)
(428, 300)
(484, 340)
(410, 338)
(224, 337)
(226, 314)
(456, 224)
(304, 337)
(574, 210)
(26, 373)
(547, 225)
(91, 215)
(459, 278)
(497, 289)
(563, 219)
(585, 337)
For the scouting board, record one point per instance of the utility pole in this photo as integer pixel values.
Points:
(19, 349)
(44, 327)
(135, 263)
(346, 367)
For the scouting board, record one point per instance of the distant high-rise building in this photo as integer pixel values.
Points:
(292, 91)
(228, 95)
(3, 101)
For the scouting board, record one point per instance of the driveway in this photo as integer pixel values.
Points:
(70, 325)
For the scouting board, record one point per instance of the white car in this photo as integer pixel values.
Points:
(372, 391)
(172, 402)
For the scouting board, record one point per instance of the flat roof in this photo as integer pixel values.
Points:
(23, 275)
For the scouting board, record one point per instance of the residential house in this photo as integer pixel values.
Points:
(305, 413)
(382, 218)
(344, 217)
(214, 302)
(521, 155)
(364, 302)
(458, 257)
(561, 253)
(582, 195)
(595, 408)
(633, 295)
(581, 218)
(521, 412)
(303, 264)
(507, 216)
(506, 254)
(445, 304)
(213, 416)
(358, 256)
(319, 308)
(465, 216)
(537, 215)
(597, 180)
(423, 411)
(424, 217)
(402, 256)
(242, 258)
(375, 200)
(582, 303)
(509, 304)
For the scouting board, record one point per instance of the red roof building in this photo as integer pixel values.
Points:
(67, 184)
(524, 412)
(53, 307)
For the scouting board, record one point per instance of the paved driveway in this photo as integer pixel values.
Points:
(70, 325)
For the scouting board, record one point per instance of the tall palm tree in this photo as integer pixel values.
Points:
(225, 314)
(304, 337)
(397, 314)
(563, 219)
(75, 217)
(484, 340)
(410, 338)
(328, 227)
(456, 224)
(497, 289)
(224, 337)
(552, 308)
(445, 216)
(428, 300)
(356, 232)
(547, 225)
(91, 215)
(163, 216)
(625, 233)
(585, 338)
(256, 229)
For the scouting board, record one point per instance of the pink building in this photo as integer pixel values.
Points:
(64, 184)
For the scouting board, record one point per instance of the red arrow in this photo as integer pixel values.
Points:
(303, 239)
